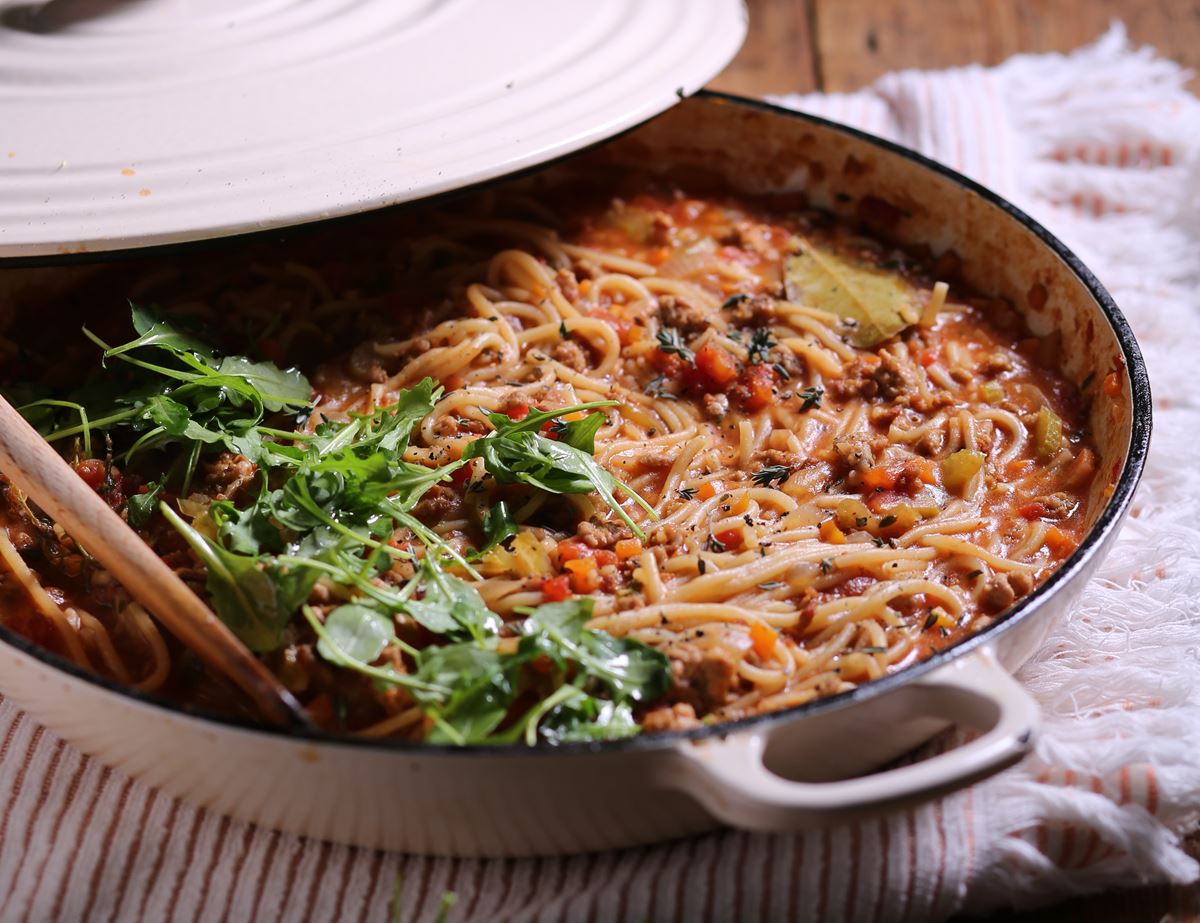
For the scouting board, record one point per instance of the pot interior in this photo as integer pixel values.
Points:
(753, 148)
(896, 196)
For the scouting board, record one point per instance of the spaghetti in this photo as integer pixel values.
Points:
(820, 459)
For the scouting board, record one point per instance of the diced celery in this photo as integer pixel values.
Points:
(898, 519)
(852, 514)
(959, 468)
(992, 392)
(1047, 434)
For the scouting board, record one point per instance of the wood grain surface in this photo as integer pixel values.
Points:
(838, 45)
(842, 45)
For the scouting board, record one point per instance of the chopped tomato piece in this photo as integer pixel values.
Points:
(756, 387)
(460, 476)
(928, 358)
(92, 472)
(603, 557)
(1032, 510)
(668, 364)
(764, 638)
(730, 538)
(716, 366)
(621, 327)
(571, 550)
(556, 589)
(518, 410)
(320, 710)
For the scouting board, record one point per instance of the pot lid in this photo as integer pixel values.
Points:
(125, 123)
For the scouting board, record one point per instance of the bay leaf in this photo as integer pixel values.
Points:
(877, 303)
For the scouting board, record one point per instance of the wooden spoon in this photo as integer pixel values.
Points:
(34, 467)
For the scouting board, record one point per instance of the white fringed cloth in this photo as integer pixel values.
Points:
(1102, 146)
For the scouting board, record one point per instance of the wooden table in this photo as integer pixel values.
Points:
(842, 45)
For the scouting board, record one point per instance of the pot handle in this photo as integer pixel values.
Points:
(730, 779)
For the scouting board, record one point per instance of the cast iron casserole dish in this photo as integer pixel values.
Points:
(786, 770)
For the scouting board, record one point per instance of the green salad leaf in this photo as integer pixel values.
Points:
(337, 505)
(256, 598)
(515, 453)
(358, 632)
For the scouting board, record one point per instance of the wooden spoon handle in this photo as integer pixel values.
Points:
(44, 476)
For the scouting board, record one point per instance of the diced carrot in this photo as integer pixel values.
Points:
(709, 489)
(740, 504)
(556, 589)
(716, 366)
(879, 478)
(1112, 384)
(1059, 543)
(831, 534)
(628, 548)
(585, 578)
(926, 471)
(585, 286)
(730, 538)
(764, 638)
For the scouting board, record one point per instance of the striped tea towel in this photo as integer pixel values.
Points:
(1103, 146)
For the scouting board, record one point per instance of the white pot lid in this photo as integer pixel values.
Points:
(125, 123)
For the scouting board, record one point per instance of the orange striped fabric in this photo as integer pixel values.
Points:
(79, 841)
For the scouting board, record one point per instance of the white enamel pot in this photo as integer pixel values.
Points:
(814, 764)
